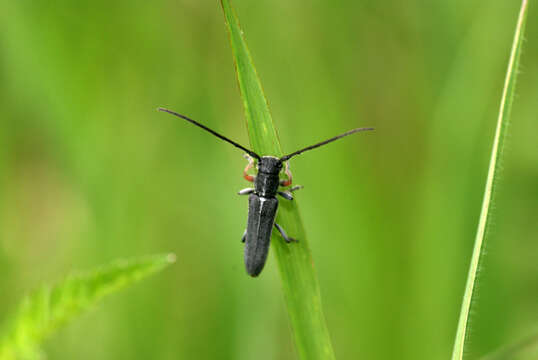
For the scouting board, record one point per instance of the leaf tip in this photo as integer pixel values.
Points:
(171, 258)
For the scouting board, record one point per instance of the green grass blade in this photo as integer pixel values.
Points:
(262, 133)
(299, 281)
(493, 172)
(50, 307)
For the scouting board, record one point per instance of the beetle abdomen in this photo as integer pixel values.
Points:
(261, 218)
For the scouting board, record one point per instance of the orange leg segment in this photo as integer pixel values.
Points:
(286, 182)
(249, 166)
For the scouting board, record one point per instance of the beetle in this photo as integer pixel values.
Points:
(262, 200)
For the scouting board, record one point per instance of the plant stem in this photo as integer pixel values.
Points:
(299, 281)
(489, 193)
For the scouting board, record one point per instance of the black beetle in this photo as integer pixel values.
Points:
(262, 201)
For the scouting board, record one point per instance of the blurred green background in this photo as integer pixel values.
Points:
(90, 172)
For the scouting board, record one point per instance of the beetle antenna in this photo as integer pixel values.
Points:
(287, 157)
(250, 152)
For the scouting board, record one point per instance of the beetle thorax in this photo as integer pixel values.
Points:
(267, 179)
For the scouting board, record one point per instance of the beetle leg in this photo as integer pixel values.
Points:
(286, 182)
(244, 237)
(249, 166)
(295, 188)
(285, 194)
(284, 235)
(245, 191)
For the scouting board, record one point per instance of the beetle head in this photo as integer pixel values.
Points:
(269, 165)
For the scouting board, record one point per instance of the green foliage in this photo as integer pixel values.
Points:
(299, 282)
(526, 349)
(390, 217)
(460, 344)
(50, 307)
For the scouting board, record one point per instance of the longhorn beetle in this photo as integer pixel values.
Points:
(262, 201)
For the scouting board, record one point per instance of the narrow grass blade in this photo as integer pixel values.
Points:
(299, 281)
(493, 172)
(50, 307)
